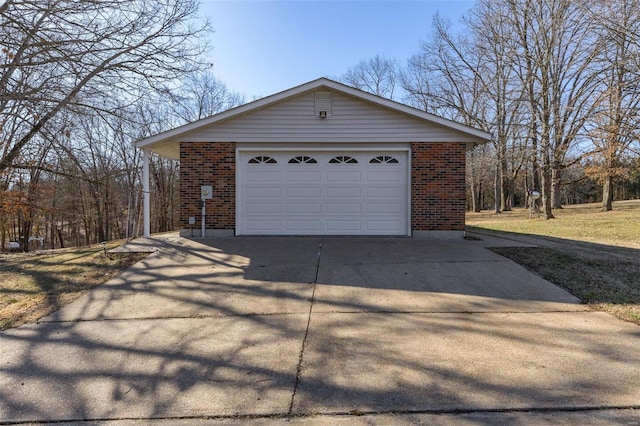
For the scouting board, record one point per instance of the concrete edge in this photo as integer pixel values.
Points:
(438, 235)
(208, 233)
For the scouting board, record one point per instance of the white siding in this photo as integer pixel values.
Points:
(353, 120)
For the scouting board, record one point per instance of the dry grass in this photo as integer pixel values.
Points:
(33, 285)
(593, 254)
(583, 222)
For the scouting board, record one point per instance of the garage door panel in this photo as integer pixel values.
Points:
(344, 176)
(343, 192)
(262, 176)
(384, 225)
(339, 226)
(262, 208)
(262, 192)
(262, 225)
(385, 208)
(343, 208)
(308, 208)
(303, 225)
(303, 176)
(389, 192)
(303, 192)
(386, 176)
(323, 198)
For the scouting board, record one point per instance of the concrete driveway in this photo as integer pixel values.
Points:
(323, 330)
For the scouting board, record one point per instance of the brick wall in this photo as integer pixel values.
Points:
(207, 163)
(438, 186)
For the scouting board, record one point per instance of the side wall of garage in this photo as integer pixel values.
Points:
(207, 163)
(438, 196)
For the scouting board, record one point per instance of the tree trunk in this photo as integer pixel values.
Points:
(52, 235)
(60, 238)
(26, 233)
(546, 193)
(475, 197)
(607, 194)
(99, 218)
(556, 185)
(475, 206)
(505, 186)
(497, 191)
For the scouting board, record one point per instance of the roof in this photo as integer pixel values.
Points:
(165, 143)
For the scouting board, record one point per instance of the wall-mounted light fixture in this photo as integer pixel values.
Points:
(323, 114)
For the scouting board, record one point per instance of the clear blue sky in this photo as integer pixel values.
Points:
(263, 47)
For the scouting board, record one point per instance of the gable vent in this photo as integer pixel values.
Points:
(323, 103)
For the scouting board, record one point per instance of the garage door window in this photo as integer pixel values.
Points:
(262, 160)
(303, 160)
(343, 159)
(383, 159)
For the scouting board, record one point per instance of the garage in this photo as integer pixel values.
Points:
(337, 192)
(321, 158)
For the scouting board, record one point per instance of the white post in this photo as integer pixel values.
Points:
(204, 215)
(145, 195)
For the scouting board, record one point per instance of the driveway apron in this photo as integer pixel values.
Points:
(245, 328)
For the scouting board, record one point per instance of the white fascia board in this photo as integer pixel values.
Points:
(315, 84)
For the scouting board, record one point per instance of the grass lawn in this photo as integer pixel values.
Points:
(583, 222)
(593, 254)
(33, 285)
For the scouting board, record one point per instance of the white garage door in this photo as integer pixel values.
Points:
(322, 193)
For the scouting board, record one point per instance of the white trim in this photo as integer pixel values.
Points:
(146, 195)
(308, 147)
(409, 187)
(237, 166)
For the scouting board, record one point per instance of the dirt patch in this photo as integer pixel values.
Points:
(35, 285)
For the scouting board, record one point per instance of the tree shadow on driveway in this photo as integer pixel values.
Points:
(258, 327)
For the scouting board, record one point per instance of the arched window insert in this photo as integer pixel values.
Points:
(262, 160)
(383, 159)
(303, 160)
(343, 159)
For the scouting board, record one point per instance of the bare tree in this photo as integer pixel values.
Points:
(556, 50)
(204, 95)
(443, 77)
(470, 78)
(616, 122)
(493, 37)
(86, 55)
(377, 75)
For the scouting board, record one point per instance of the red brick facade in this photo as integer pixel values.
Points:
(207, 163)
(438, 186)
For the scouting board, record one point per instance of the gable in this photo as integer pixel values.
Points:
(350, 121)
(298, 115)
